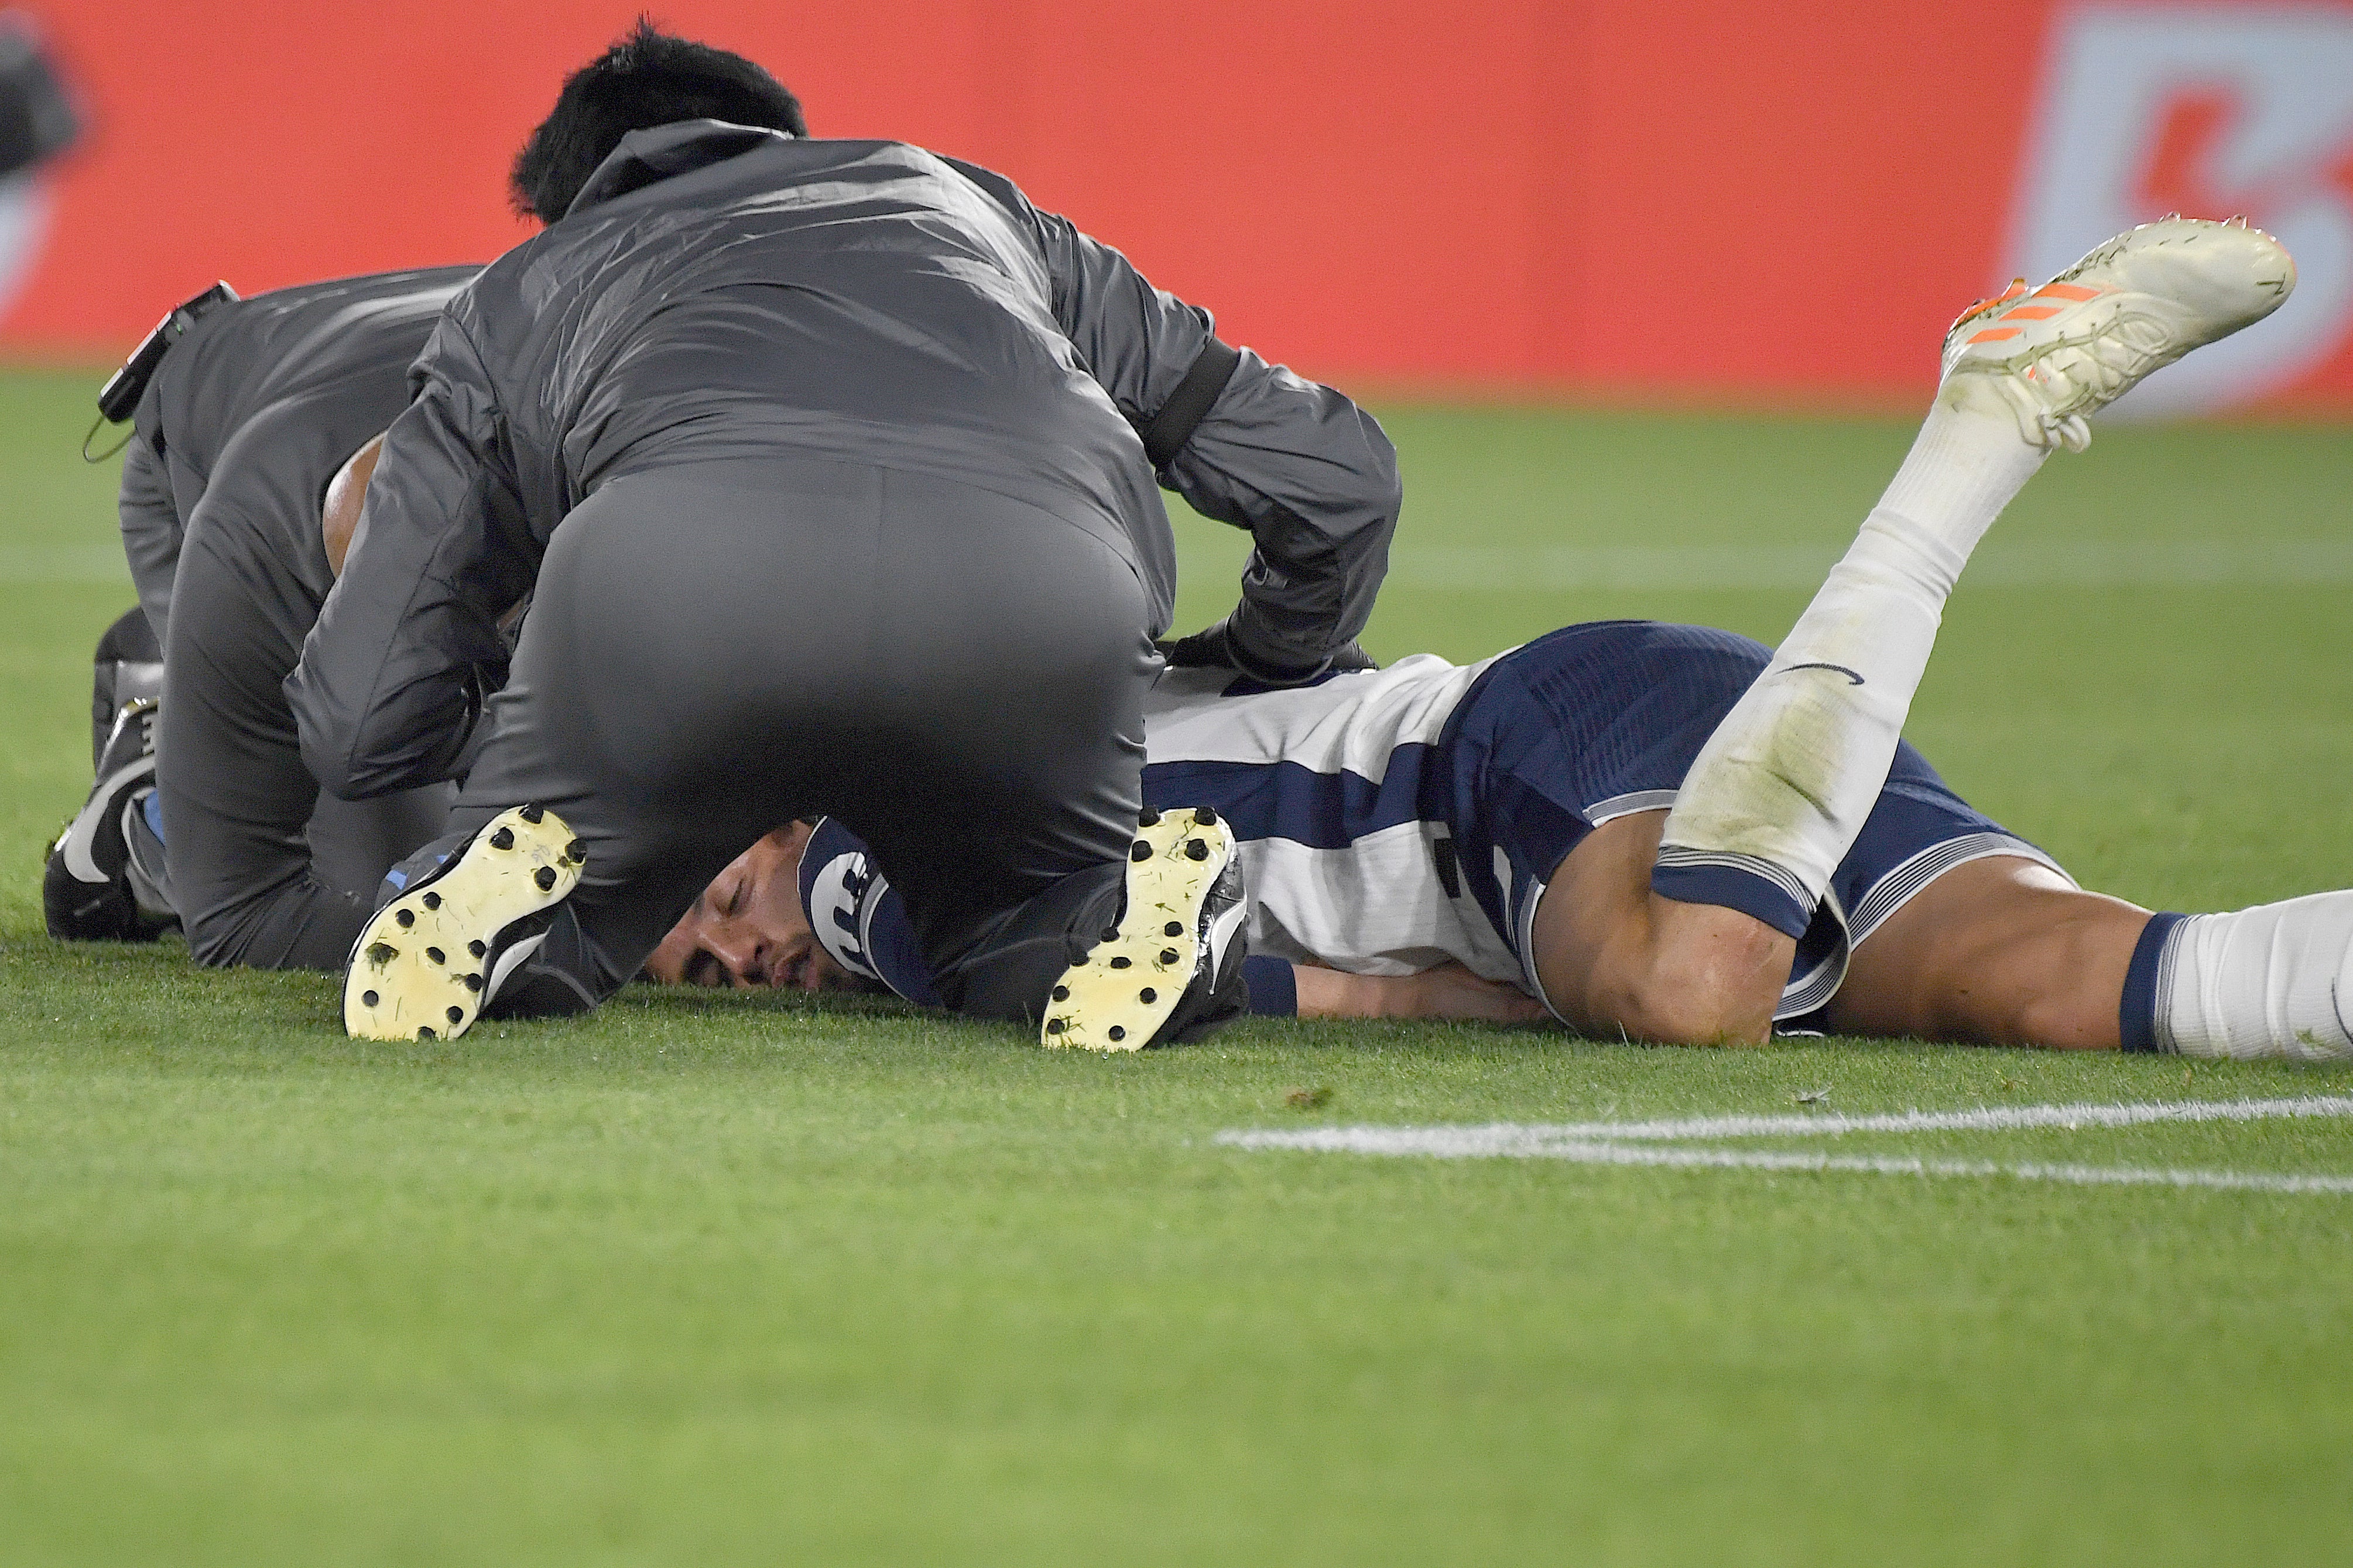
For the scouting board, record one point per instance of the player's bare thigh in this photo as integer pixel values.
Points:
(2001, 951)
(1616, 958)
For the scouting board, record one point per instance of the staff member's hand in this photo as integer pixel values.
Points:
(1216, 649)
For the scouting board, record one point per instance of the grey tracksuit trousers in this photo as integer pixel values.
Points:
(716, 649)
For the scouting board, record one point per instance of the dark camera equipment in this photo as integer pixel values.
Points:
(118, 400)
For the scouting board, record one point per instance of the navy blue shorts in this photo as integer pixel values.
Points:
(1599, 720)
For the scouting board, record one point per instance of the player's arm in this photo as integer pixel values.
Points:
(407, 646)
(860, 920)
(151, 530)
(1307, 472)
(1449, 990)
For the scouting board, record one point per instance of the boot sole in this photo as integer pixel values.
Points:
(397, 988)
(1117, 997)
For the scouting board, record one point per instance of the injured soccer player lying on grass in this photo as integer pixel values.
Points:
(1673, 834)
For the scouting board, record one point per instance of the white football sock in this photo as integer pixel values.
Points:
(2260, 983)
(1782, 787)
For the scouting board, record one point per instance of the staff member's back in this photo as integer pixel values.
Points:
(856, 517)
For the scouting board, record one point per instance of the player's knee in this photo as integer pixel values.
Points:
(232, 935)
(1709, 977)
(1996, 951)
(1684, 1009)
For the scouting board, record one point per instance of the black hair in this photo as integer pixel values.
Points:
(646, 78)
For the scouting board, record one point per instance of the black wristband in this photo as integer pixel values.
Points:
(1166, 432)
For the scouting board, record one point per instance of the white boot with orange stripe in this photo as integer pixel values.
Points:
(2135, 305)
(1775, 797)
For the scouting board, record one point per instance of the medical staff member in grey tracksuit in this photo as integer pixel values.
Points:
(247, 418)
(825, 462)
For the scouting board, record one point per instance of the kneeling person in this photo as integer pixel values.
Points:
(829, 467)
(203, 807)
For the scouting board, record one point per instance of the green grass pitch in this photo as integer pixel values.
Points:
(709, 1279)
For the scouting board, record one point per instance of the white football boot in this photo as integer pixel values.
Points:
(1171, 970)
(2067, 350)
(429, 959)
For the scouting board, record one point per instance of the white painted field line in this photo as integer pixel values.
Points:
(2018, 563)
(1509, 1138)
(1638, 1142)
(1605, 1153)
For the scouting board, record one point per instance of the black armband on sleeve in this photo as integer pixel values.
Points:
(1166, 432)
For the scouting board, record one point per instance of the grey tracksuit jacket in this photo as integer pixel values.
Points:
(248, 418)
(718, 293)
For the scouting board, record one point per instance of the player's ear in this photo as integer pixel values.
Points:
(339, 517)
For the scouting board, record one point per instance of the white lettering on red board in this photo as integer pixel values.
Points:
(2211, 111)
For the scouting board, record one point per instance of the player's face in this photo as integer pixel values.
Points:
(747, 929)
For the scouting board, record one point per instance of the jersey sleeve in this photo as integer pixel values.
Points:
(1310, 475)
(407, 646)
(858, 916)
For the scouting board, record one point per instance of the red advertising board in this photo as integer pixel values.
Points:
(1709, 199)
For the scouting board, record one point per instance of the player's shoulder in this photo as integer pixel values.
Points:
(1227, 698)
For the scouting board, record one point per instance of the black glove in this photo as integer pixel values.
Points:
(1215, 648)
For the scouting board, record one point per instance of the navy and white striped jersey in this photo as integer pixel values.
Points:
(1327, 787)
